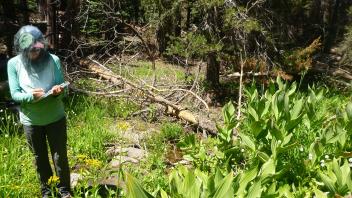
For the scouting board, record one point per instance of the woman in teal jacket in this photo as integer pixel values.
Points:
(31, 74)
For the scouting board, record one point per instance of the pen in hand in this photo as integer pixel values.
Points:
(37, 93)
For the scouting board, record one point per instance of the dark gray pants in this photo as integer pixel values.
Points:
(56, 135)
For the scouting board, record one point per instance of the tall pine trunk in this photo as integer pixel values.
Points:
(213, 70)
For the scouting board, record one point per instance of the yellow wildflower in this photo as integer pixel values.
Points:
(53, 180)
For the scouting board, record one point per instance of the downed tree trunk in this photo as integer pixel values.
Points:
(171, 109)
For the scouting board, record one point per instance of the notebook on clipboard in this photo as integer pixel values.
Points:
(50, 92)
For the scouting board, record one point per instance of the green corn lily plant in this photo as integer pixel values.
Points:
(336, 179)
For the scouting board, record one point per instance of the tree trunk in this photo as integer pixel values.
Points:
(51, 21)
(188, 16)
(71, 28)
(213, 70)
(42, 9)
(165, 27)
(9, 28)
(136, 9)
(315, 12)
(25, 10)
(332, 27)
(8, 8)
(178, 20)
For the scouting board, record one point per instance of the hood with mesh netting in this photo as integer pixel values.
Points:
(28, 38)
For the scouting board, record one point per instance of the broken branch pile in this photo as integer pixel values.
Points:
(171, 109)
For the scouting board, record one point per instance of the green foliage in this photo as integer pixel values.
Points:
(190, 46)
(171, 131)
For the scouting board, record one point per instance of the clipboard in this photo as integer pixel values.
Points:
(50, 92)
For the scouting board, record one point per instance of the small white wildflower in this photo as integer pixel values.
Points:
(322, 164)
(350, 159)
(326, 156)
(8, 117)
(301, 149)
(279, 141)
(2, 118)
(15, 124)
(322, 161)
(310, 156)
(1, 110)
(242, 150)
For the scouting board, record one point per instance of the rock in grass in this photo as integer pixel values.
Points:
(129, 152)
(118, 160)
(75, 177)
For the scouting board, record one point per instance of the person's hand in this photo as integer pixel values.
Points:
(37, 93)
(57, 90)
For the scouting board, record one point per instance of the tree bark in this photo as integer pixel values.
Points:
(71, 28)
(165, 27)
(8, 8)
(42, 9)
(25, 10)
(332, 27)
(213, 70)
(51, 22)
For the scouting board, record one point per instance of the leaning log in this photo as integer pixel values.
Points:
(170, 108)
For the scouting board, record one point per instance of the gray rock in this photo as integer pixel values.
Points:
(130, 152)
(118, 160)
(75, 177)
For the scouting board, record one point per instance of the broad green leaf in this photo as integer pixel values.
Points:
(287, 103)
(292, 89)
(245, 178)
(274, 106)
(337, 171)
(263, 156)
(327, 182)
(277, 133)
(163, 194)
(247, 141)
(266, 109)
(287, 148)
(319, 193)
(255, 190)
(225, 188)
(297, 108)
(272, 189)
(284, 191)
(280, 83)
(346, 172)
(257, 128)
(134, 189)
(218, 178)
(268, 168)
(349, 111)
(253, 113)
(189, 188)
(349, 181)
(293, 123)
(287, 139)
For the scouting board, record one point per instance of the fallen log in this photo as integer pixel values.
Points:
(170, 108)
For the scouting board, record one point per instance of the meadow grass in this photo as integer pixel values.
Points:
(143, 70)
(92, 122)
